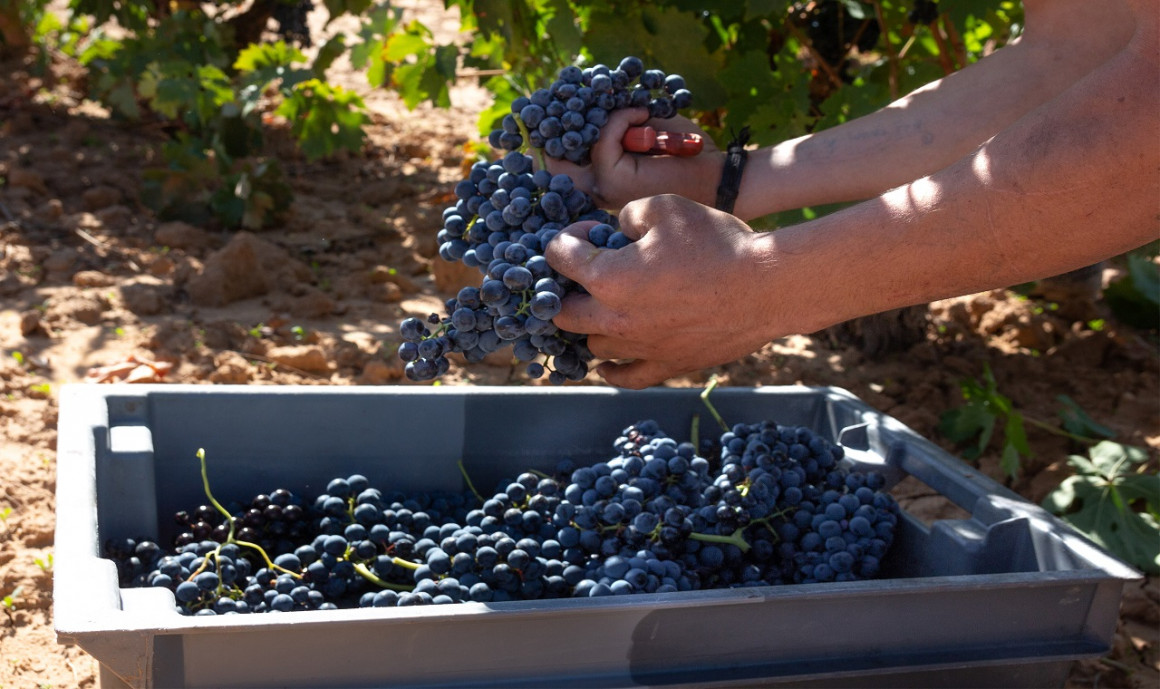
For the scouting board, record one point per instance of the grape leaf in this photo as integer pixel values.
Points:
(1113, 505)
(967, 422)
(1135, 298)
(258, 56)
(765, 8)
(1077, 422)
(325, 118)
(673, 41)
(984, 406)
(559, 22)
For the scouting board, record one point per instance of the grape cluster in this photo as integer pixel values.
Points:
(834, 31)
(274, 521)
(923, 12)
(507, 211)
(291, 16)
(501, 223)
(565, 119)
(770, 505)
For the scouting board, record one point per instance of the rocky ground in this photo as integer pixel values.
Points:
(95, 290)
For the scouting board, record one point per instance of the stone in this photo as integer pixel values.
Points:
(62, 260)
(85, 308)
(312, 305)
(245, 267)
(378, 372)
(146, 295)
(181, 235)
(28, 179)
(30, 324)
(92, 278)
(101, 196)
(231, 368)
(309, 358)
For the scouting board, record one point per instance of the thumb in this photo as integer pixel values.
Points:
(608, 149)
(636, 375)
(571, 254)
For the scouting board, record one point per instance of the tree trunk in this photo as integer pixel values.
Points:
(883, 333)
(249, 25)
(14, 39)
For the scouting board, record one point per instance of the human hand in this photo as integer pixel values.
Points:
(615, 177)
(685, 295)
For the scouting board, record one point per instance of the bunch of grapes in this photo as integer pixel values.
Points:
(507, 211)
(923, 12)
(502, 222)
(819, 521)
(291, 17)
(834, 31)
(775, 506)
(565, 119)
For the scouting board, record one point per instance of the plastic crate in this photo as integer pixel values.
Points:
(1009, 597)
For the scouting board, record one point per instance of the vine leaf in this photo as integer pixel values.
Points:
(1076, 420)
(1112, 503)
(984, 407)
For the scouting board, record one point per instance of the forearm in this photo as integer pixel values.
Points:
(1074, 182)
(939, 123)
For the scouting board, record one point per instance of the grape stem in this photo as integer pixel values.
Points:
(539, 154)
(467, 478)
(269, 563)
(217, 505)
(370, 576)
(230, 519)
(713, 410)
(736, 538)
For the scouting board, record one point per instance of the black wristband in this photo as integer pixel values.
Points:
(735, 157)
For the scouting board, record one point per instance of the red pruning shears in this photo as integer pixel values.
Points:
(648, 140)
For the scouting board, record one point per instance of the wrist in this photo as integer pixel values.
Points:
(731, 172)
(701, 186)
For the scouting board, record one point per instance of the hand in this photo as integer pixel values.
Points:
(616, 177)
(685, 295)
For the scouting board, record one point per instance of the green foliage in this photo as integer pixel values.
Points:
(1077, 422)
(756, 63)
(750, 63)
(185, 69)
(1115, 501)
(1135, 298)
(421, 71)
(9, 601)
(984, 406)
(324, 118)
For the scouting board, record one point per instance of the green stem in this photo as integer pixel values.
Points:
(269, 563)
(217, 505)
(467, 478)
(695, 432)
(405, 564)
(1058, 431)
(736, 538)
(713, 410)
(370, 576)
(539, 155)
(230, 518)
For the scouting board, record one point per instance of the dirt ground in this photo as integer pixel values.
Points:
(94, 289)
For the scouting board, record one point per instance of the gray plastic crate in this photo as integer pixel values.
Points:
(1009, 597)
